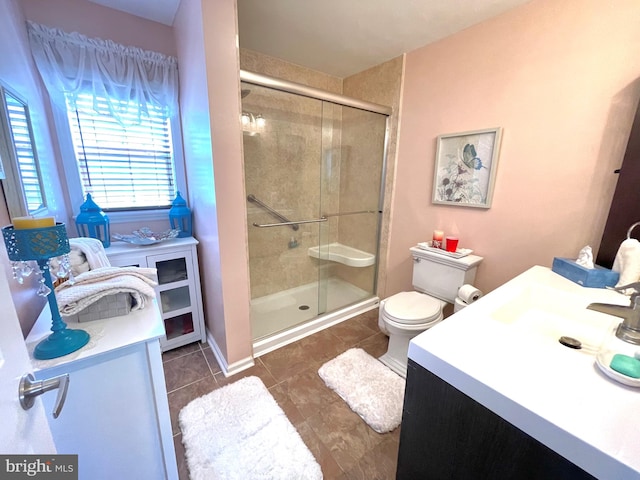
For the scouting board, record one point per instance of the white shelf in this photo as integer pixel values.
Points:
(337, 252)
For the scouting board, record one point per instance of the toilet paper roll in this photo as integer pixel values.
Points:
(469, 293)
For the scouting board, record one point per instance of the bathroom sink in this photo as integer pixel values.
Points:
(550, 313)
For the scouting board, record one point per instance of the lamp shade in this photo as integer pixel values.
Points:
(92, 222)
(180, 216)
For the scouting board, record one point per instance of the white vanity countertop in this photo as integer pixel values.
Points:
(106, 335)
(557, 395)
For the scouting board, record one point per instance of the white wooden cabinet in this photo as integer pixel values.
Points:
(116, 413)
(178, 291)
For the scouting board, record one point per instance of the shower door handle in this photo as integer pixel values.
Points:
(288, 224)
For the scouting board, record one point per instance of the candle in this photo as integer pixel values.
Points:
(438, 236)
(24, 223)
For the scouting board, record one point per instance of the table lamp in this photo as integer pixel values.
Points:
(38, 240)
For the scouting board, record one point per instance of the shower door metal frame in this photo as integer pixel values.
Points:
(306, 91)
(338, 99)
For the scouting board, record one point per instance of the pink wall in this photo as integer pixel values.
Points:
(94, 20)
(223, 63)
(206, 34)
(560, 79)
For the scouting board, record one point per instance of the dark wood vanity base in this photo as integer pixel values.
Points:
(447, 435)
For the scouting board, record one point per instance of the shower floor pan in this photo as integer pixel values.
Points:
(284, 317)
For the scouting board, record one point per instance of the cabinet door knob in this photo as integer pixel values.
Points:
(30, 388)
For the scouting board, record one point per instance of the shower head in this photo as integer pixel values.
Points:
(245, 92)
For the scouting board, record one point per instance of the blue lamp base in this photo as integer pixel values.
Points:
(61, 342)
(39, 245)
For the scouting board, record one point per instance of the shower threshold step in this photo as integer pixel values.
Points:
(344, 254)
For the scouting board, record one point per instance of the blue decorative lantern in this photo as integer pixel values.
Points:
(92, 222)
(180, 216)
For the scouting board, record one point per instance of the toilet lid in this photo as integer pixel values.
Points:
(412, 307)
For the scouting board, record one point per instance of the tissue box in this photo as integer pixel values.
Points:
(107, 307)
(598, 277)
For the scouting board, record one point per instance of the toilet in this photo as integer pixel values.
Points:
(436, 280)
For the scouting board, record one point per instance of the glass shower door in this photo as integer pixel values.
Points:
(351, 200)
(282, 135)
(313, 173)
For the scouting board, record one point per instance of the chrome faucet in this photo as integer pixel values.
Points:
(629, 329)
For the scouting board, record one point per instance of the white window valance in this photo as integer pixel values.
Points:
(71, 63)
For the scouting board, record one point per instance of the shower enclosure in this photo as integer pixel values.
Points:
(314, 174)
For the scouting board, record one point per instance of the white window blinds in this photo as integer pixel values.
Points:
(124, 167)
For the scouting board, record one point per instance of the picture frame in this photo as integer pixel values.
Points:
(465, 168)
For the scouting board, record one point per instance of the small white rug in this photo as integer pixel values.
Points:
(240, 432)
(370, 389)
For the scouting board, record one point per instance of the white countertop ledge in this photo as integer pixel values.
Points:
(521, 372)
(106, 335)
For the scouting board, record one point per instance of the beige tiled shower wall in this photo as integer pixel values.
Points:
(338, 152)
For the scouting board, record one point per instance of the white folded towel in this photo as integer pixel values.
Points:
(627, 262)
(85, 254)
(93, 250)
(91, 286)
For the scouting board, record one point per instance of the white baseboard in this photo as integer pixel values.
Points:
(228, 369)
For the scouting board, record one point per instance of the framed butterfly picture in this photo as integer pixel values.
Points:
(465, 168)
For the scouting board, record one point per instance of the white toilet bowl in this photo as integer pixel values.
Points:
(402, 317)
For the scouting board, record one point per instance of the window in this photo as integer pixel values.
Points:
(114, 109)
(123, 167)
(23, 185)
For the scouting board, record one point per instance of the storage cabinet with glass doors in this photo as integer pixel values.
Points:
(178, 292)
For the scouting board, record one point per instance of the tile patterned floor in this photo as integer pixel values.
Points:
(344, 446)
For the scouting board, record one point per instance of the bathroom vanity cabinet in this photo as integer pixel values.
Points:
(492, 394)
(116, 413)
(447, 434)
(178, 291)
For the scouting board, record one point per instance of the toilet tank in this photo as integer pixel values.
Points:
(440, 275)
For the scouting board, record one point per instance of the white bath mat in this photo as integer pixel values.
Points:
(370, 389)
(240, 432)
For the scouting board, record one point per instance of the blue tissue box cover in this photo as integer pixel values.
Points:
(598, 277)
